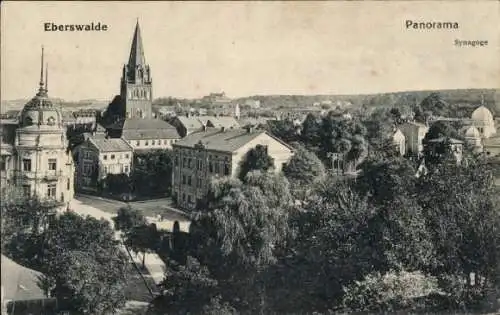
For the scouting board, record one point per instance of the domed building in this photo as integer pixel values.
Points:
(483, 120)
(38, 162)
(473, 137)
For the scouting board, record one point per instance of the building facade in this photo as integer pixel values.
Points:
(98, 157)
(35, 158)
(214, 153)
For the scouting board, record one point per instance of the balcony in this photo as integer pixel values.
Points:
(47, 175)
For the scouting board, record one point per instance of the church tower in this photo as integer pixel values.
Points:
(136, 83)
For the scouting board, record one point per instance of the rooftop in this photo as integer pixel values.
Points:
(218, 140)
(19, 282)
(110, 144)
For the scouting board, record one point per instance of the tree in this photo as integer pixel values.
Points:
(187, 289)
(241, 233)
(304, 169)
(344, 136)
(83, 265)
(152, 173)
(143, 239)
(256, 159)
(118, 184)
(127, 218)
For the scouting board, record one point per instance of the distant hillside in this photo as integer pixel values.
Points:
(72, 105)
(464, 98)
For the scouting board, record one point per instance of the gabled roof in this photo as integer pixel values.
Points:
(141, 124)
(224, 141)
(19, 283)
(224, 121)
(110, 144)
(190, 123)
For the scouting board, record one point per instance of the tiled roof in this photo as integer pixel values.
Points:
(190, 123)
(224, 121)
(141, 124)
(19, 283)
(218, 140)
(170, 133)
(110, 144)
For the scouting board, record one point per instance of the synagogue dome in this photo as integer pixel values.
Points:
(483, 114)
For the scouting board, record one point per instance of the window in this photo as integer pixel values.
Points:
(153, 142)
(52, 164)
(190, 162)
(226, 169)
(200, 182)
(217, 167)
(184, 162)
(68, 184)
(126, 156)
(210, 167)
(189, 198)
(112, 156)
(125, 168)
(184, 179)
(147, 143)
(105, 157)
(137, 143)
(26, 190)
(176, 161)
(189, 180)
(184, 197)
(105, 170)
(3, 163)
(27, 165)
(200, 164)
(51, 191)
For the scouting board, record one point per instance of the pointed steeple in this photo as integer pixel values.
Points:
(46, 77)
(41, 89)
(136, 57)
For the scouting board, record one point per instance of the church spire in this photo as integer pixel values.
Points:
(136, 57)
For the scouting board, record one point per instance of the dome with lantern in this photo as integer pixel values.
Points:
(40, 111)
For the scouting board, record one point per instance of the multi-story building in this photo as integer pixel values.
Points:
(98, 157)
(217, 153)
(34, 152)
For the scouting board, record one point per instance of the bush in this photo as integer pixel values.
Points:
(388, 292)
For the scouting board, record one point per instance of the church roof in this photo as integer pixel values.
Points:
(137, 51)
(144, 128)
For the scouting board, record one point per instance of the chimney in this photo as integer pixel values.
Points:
(249, 129)
(223, 129)
(204, 127)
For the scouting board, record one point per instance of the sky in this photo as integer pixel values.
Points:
(250, 48)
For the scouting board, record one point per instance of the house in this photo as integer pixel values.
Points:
(186, 125)
(21, 293)
(399, 141)
(414, 133)
(145, 134)
(98, 157)
(217, 152)
(227, 122)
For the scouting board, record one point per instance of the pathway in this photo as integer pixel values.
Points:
(153, 263)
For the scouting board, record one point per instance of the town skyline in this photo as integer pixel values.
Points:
(247, 49)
